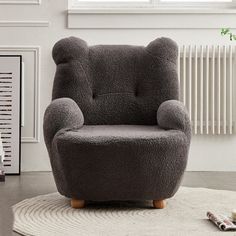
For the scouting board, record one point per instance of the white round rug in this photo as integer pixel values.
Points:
(185, 214)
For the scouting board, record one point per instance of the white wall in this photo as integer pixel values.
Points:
(24, 25)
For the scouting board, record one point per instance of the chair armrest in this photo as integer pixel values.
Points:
(172, 114)
(61, 113)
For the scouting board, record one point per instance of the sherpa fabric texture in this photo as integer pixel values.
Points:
(115, 130)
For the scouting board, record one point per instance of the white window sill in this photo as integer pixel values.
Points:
(151, 18)
(148, 10)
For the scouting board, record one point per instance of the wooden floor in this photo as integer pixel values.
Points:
(17, 188)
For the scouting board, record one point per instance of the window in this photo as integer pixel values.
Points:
(75, 4)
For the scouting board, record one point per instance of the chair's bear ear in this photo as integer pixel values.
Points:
(164, 48)
(68, 49)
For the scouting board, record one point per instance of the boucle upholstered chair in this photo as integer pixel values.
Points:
(115, 130)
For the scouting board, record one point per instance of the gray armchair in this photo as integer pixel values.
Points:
(115, 130)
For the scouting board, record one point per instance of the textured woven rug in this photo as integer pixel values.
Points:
(185, 214)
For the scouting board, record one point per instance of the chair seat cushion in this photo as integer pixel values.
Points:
(116, 133)
(124, 158)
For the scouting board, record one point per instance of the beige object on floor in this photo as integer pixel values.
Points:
(185, 214)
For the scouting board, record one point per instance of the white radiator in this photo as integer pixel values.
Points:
(206, 76)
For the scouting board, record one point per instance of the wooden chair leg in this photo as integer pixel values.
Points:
(75, 203)
(159, 204)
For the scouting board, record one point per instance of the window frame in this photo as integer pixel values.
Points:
(152, 4)
(107, 4)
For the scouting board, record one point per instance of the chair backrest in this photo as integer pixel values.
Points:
(116, 84)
